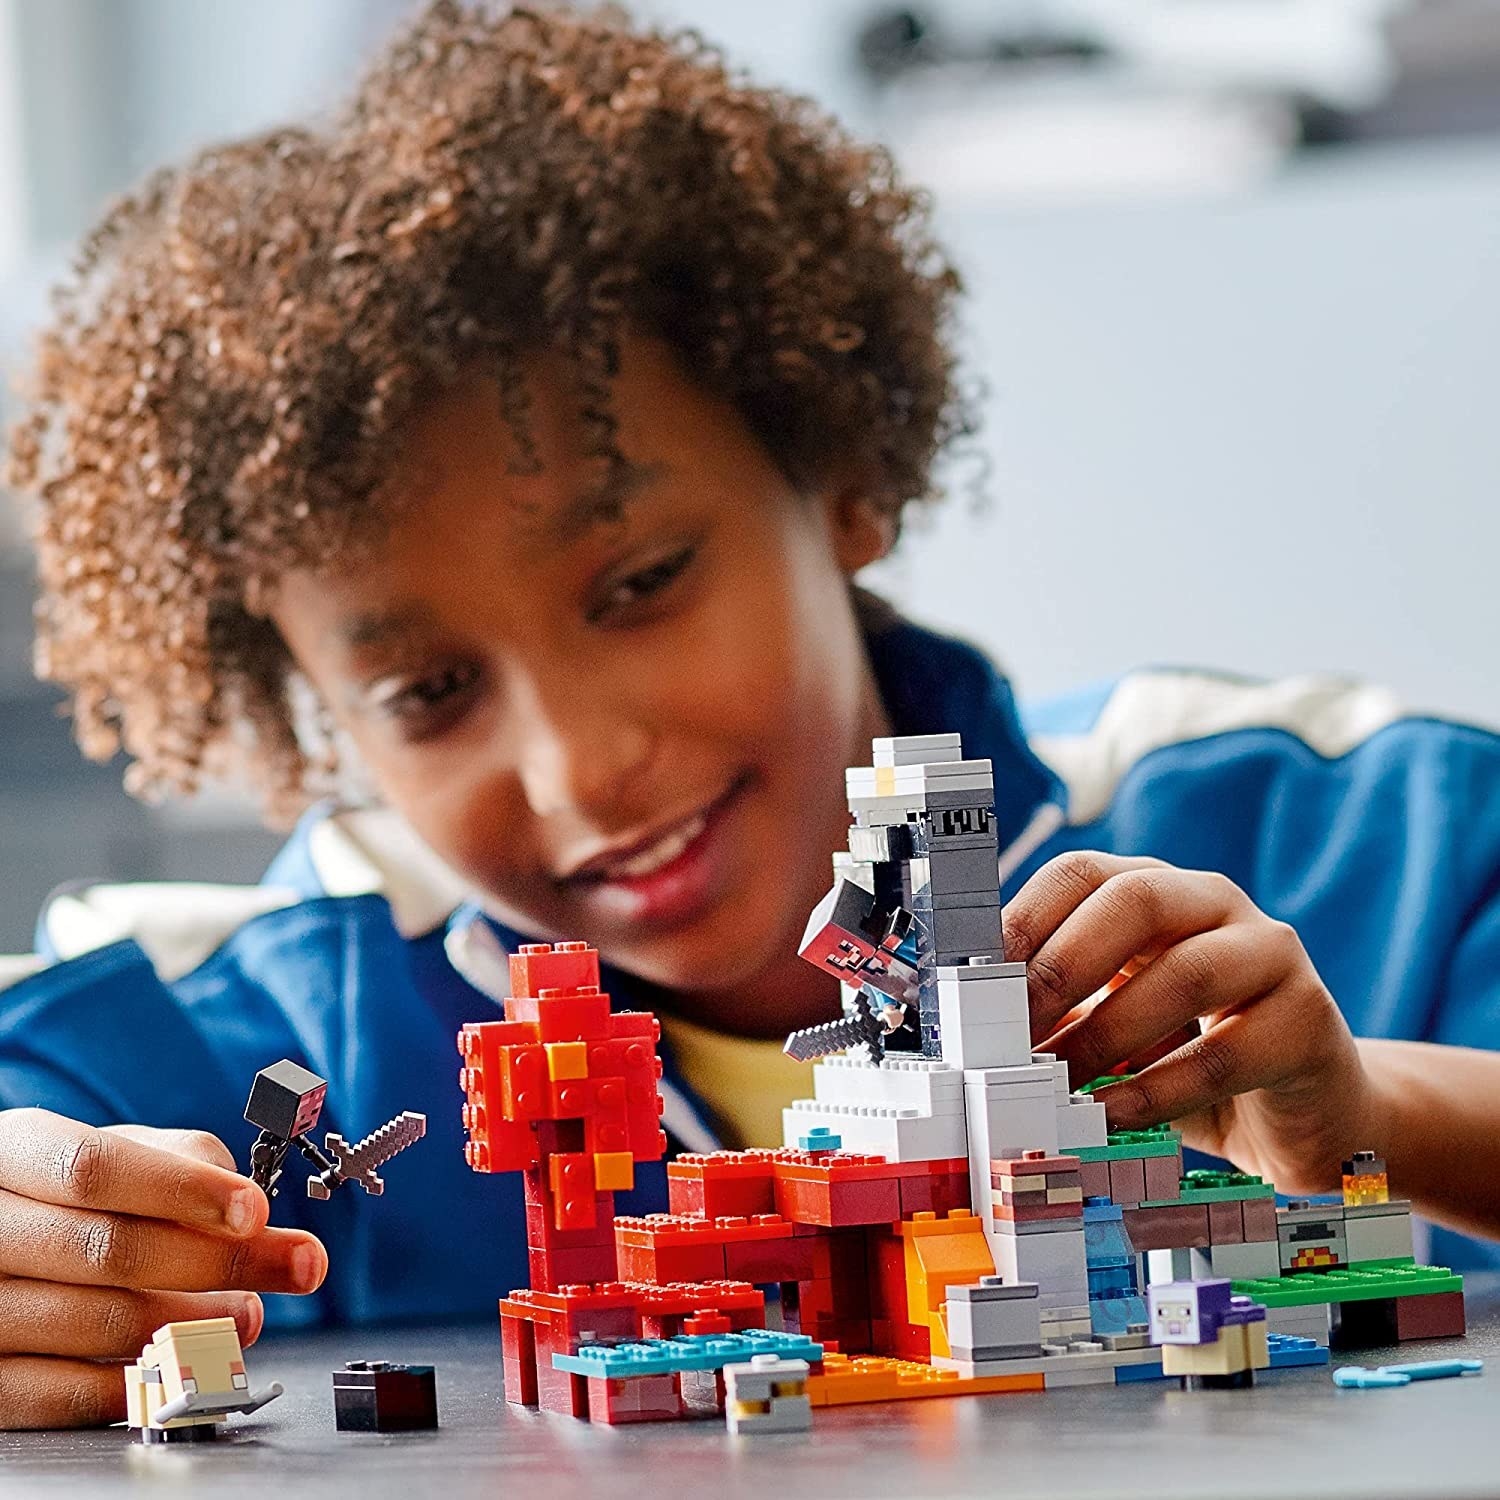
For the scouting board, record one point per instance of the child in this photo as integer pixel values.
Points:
(515, 443)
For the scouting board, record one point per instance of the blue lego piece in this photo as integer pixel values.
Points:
(1102, 1211)
(1287, 1350)
(1115, 1315)
(1358, 1378)
(819, 1138)
(1130, 1374)
(691, 1352)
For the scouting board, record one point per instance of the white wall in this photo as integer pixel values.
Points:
(1258, 434)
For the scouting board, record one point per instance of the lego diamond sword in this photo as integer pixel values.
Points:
(358, 1163)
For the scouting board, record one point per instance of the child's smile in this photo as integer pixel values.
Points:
(623, 713)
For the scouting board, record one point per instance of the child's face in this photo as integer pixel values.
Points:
(625, 724)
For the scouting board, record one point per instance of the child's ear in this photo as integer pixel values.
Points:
(863, 529)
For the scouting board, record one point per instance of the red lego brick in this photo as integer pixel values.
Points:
(722, 1183)
(570, 1181)
(1093, 1179)
(641, 1398)
(837, 1200)
(935, 1192)
(539, 966)
(563, 1016)
(1035, 1164)
(1054, 1213)
(518, 1348)
(559, 1391)
(1179, 1226)
(762, 1261)
(1164, 1181)
(1437, 1315)
(1127, 1181)
(1225, 1225)
(580, 1265)
(1258, 1217)
(706, 1323)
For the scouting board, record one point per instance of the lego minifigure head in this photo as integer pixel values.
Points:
(532, 509)
(286, 1099)
(1187, 1312)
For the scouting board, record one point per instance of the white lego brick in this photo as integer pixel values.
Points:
(787, 1414)
(991, 1324)
(981, 969)
(916, 749)
(1057, 1263)
(902, 1134)
(982, 998)
(1013, 1075)
(1074, 1369)
(1061, 1329)
(1003, 1123)
(1306, 1322)
(995, 1045)
(920, 1083)
(860, 872)
(1081, 1123)
(1170, 1265)
(1378, 1236)
(1238, 1262)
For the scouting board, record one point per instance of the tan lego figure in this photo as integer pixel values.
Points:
(187, 1380)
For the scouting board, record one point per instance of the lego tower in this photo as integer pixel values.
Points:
(922, 867)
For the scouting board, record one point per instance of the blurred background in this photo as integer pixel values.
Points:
(1234, 272)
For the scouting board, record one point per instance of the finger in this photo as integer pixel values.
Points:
(1204, 974)
(57, 1160)
(201, 1145)
(1039, 908)
(85, 1322)
(1234, 1056)
(53, 1243)
(1143, 910)
(59, 1393)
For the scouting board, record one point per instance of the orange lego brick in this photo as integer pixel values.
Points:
(566, 1060)
(849, 1381)
(614, 1171)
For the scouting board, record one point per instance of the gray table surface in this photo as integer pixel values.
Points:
(1293, 1435)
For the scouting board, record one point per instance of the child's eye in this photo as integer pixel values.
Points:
(411, 702)
(623, 594)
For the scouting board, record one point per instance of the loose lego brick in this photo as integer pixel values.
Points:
(377, 1396)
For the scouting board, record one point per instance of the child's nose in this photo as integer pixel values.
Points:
(579, 757)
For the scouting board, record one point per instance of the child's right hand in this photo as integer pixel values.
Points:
(107, 1234)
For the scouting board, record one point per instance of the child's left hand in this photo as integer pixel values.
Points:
(1235, 1036)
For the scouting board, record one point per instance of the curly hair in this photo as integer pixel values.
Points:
(222, 391)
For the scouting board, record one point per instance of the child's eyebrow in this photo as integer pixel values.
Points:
(376, 627)
(606, 503)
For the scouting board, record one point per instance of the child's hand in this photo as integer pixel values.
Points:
(1272, 1081)
(107, 1234)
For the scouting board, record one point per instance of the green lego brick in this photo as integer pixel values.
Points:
(1308, 1288)
(1102, 1082)
(1131, 1145)
(1381, 1265)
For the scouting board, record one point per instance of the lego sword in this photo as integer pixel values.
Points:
(357, 1163)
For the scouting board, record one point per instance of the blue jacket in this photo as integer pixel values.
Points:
(1376, 835)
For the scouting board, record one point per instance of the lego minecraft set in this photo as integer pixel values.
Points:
(947, 1214)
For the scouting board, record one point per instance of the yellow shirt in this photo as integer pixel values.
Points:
(745, 1081)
